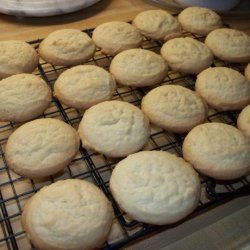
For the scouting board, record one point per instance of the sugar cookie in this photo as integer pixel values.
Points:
(157, 24)
(199, 20)
(83, 86)
(155, 187)
(67, 47)
(41, 147)
(247, 72)
(174, 108)
(114, 128)
(23, 97)
(187, 55)
(218, 150)
(16, 57)
(69, 214)
(243, 122)
(114, 37)
(223, 88)
(229, 45)
(138, 67)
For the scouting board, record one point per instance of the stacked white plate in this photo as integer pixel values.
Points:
(42, 7)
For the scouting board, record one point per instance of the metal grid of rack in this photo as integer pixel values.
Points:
(96, 168)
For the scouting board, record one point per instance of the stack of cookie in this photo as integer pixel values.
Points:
(153, 187)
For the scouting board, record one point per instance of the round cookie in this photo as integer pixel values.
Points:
(69, 214)
(114, 37)
(187, 55)
(155, 187)
(157, 24)
(243, 122)
(16, 57)
(174, 108)
(138, 67)
(67, 47)
(199, 20)
(229, 45)
(114, 128)
(223, 88)
(83, 86)
(247, 72)
(23, 97)
(41, 147)
(218, 150)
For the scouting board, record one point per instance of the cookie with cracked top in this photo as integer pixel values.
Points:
(223, 88)
(155, 187)
(199, 20)
(218, 150)
(68, 214)
(187, 55)
(16, 57)
(23, 97)
(157, 24)
(116, 36)
(114, 128)
(83, 86)
(229, 45)
(67, 47)
(41, 147)
(174, 108)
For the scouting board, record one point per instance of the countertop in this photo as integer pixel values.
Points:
(226, 226)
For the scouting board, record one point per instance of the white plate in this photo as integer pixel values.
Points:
(43, 7)
(242, 10)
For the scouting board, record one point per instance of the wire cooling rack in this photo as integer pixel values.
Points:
(96, 168)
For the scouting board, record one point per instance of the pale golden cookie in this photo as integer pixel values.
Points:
(199, 20)
(67, 47)
(23, 97)
(116, 36)
(247, 72)
(114, 128)
(243, 122)
(174, 108)
(155, 187)
(223, 88)
(83, 86)
(157, 24)
(16, 57)
(218, 150)
(69, 214)
(229, 45)
(187, 55)
(41, 147)
(138, 67)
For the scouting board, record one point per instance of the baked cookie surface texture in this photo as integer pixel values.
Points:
(16, 57)
(174, 108)
(23, 97)
(218, 150)
(247, 72)
(114, 37)
(69, 214)
(157, 24)
(67, 47)
(155, 187)
(83, 86)
(199, 20)
(243, 122)
(114, 128)
(223, 88)
(187, 55)
(41, 147)
(138, 67)
(229, 44)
